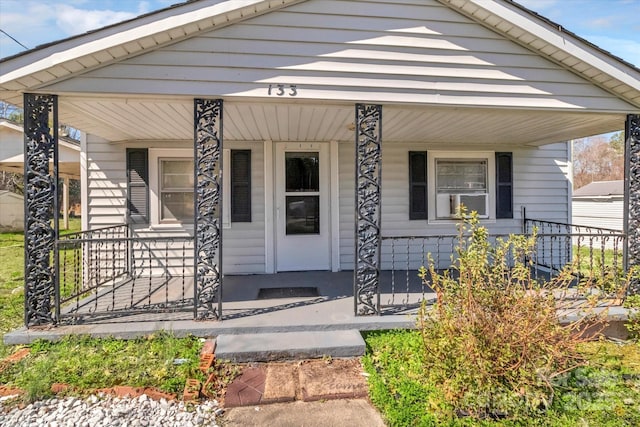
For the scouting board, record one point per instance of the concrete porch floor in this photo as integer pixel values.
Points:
(242, 311)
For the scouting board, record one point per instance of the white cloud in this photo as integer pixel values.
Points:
(74, 21)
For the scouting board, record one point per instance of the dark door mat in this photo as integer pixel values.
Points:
(290, 292)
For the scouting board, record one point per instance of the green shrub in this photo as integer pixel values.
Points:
(493, 343)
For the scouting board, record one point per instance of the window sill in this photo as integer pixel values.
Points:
(171, 226)
(456, 221)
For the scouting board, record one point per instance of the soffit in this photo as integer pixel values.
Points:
(122, 119)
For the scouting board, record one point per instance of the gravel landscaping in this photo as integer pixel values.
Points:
(106, 410)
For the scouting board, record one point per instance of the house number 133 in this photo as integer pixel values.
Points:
(281, 90)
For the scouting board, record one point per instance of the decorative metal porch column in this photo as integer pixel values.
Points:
(40, 207)
(366, 277)
(208, 208)
(632, 194)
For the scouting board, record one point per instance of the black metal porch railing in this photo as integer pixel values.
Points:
(112, 272)
(109, 272)
(595, 255)
(591, 255)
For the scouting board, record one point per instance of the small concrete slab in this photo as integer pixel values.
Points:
(281, 383)
(247, 389)
(334, 413)
(336, 379)
(289, 345)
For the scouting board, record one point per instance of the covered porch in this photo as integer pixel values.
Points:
(393, 117)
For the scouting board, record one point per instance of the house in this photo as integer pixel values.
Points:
(267, 136)
(12, 160)
(599, 204)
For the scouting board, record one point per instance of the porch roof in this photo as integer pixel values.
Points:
(12, 147)
(468, 117)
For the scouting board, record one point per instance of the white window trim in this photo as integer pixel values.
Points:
(157, 154)
(432, 156)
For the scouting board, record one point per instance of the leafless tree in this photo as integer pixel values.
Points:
(596, 159)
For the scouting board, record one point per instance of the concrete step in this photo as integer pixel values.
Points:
(289, 345)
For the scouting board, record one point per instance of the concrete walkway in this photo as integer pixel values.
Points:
(332, 413)
(325, 392)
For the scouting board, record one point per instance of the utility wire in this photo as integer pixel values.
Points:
(12, 38)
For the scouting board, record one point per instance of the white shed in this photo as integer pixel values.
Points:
(11, 211)
(599, 204)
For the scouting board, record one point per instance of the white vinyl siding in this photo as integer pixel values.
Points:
(106, 182)
(606, 212)
(541, 185)
(243, 243)
(338, 50)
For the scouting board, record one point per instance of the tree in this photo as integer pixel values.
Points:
(595, 159)
(11, 112)
(617, 142)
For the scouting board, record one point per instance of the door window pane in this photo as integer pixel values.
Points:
(303, 215)
(302, 172)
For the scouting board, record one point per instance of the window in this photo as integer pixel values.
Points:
(171, 186)
(461, 182)
(176, 190)
(461, 178)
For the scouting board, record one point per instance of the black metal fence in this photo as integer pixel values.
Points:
(111, 272)
(591, 255)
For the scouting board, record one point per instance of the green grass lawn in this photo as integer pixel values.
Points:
(587, 259)
(160, 361)
(12, 280)
(606, 392)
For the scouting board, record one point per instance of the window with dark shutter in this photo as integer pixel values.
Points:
(417, 185)
(504, 185)
(138, 185)
(240, 185)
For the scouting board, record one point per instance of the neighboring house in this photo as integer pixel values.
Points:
(12, 160)
(11, 211)
(453, 102)
(599, 204)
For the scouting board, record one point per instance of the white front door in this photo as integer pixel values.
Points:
(302, 207)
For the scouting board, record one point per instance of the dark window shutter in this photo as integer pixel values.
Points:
(240, 185)
(504, 185)
(138, 185)
(417, 185)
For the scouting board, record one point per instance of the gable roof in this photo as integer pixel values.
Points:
(55, 61)
(553, 41)
(50, 62)
(601, 189)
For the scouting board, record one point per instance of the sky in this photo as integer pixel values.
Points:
(610, 24)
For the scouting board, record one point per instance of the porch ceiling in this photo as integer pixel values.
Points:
(126, 119)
